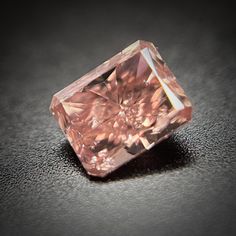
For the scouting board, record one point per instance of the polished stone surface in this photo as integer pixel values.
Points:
(123, 107)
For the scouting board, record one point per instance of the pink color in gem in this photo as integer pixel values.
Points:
(121, 108)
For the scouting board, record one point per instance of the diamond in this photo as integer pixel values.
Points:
(123, 107)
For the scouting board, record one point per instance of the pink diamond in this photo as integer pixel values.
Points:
(121, 108)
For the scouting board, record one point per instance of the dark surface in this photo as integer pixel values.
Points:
(184, 186)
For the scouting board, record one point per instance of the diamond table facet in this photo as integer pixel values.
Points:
(121, 108)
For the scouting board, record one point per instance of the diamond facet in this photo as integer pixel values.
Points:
(121, 108)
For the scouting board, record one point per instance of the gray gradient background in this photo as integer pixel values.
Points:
(184, 186)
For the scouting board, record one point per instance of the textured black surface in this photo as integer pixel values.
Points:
(184, 186)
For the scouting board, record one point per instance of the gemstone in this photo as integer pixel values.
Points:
(120, 109)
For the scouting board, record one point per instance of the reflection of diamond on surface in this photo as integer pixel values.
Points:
(120, 109)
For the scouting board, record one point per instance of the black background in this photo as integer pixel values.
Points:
(184, 186)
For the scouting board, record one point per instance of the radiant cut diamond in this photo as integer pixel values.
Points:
(120, 109)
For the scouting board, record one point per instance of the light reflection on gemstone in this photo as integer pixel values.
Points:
(120, 109)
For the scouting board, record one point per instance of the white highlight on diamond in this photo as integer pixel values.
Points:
(176, 103)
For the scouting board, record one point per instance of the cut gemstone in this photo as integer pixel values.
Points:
(120, 109)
